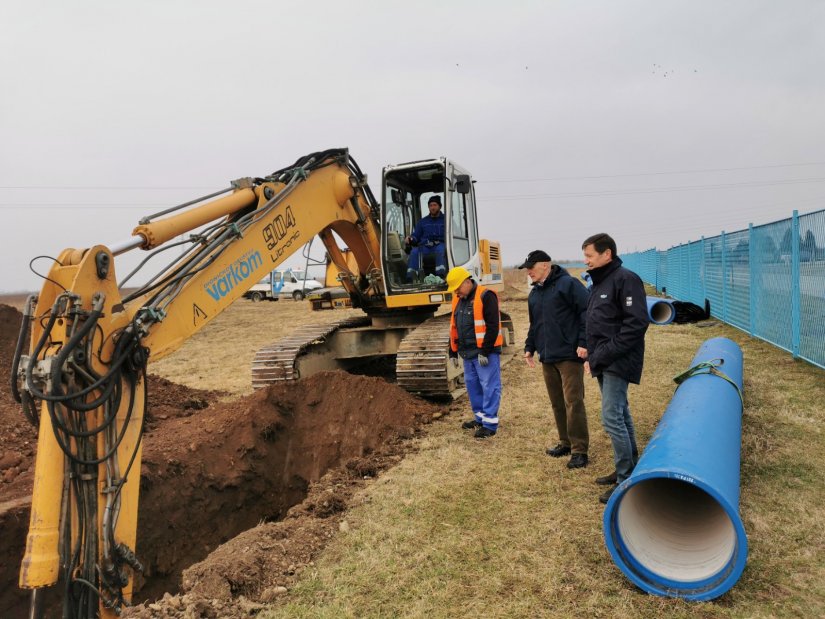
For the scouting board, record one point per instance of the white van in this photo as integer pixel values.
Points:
(282, 283)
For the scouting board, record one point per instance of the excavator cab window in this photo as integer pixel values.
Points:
(415, 245)
(398, 224)
(460, 228)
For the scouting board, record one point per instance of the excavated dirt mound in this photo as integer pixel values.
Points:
(18, 438)
(212, 471)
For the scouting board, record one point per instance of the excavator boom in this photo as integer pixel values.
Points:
(90, 341)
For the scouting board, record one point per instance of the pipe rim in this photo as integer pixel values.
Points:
(705, 589)
(661, 312)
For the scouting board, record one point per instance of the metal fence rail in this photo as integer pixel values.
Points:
(767, 280)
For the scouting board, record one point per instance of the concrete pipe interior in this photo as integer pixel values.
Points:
(661, 312)
(676, 530)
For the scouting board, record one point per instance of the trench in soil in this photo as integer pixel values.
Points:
(213, 470)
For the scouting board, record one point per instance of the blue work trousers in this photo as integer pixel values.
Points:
(618, 424)
(415, 262)
(484, 389)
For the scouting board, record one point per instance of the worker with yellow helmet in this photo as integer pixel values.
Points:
(476, 337)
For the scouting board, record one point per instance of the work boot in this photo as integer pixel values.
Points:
(483, 432)
(558, 451)
(604, 497)
(607, 480)
(577, 461)
(470, 425)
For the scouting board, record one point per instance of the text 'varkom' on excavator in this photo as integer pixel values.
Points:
(82, 377)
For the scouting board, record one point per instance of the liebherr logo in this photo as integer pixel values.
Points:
(219, 286)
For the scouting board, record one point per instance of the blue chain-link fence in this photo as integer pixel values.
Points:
(767, 280)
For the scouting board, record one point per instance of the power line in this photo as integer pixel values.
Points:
(506, 197)
(104, 188)
(678, 188)
(72, 205)
(699, 171)
(525, 180)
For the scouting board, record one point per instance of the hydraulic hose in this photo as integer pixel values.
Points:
(28, 403)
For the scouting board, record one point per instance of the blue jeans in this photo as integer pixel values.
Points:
(484, 389)
(618, 424)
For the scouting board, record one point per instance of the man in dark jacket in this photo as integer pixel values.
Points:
(557, 306)
(476, 337)
(616, 324)
(428, 239)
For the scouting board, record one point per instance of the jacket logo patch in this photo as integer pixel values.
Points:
(628, 301)
(602, 296)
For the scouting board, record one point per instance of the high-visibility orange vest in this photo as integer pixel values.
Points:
(478, 319)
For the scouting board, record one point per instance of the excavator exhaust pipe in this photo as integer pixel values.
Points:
(673, 526)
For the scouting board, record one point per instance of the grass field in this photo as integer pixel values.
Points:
(466, 528)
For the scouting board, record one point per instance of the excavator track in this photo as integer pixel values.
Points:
(422, 358)
(278, 361)
(422, 364)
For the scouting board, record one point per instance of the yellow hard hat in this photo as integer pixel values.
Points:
(456, 277)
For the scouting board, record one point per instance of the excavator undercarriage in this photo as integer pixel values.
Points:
(422, 360)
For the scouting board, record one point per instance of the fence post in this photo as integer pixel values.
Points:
(752, 279)
(703, 275)
(656, 266)
(724, 280)
(689, 277)
(795, 275)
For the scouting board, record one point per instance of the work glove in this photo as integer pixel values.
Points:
(454, 361)
(483, 361)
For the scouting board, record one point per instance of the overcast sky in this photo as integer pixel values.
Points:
(656, 121)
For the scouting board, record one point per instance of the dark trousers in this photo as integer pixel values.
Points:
(565, 386)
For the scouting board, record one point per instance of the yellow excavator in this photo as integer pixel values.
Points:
(82, 377)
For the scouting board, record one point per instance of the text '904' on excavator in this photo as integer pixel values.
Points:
(80, 366)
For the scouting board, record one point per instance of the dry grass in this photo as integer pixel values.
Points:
(220, 356)
(463, 528)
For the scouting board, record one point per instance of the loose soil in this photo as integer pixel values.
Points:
(237, 497)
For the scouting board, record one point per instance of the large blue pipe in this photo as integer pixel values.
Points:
(660, 311)
(673, 526)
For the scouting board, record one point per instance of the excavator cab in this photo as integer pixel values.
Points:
(412, 265)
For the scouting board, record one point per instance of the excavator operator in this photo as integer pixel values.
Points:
(427, 242)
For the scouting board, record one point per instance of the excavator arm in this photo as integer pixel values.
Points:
(278, 219)
(83, 380)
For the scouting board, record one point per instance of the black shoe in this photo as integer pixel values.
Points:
(558, 451)
(470, 425)
(577, 461)
(483, 432)
(604, 497)
(607, 480)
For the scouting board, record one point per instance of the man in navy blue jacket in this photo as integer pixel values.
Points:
(616, 324)
(557, 306)
(428, 239)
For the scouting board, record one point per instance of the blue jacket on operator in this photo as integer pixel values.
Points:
(428, 239)
(429, 231)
